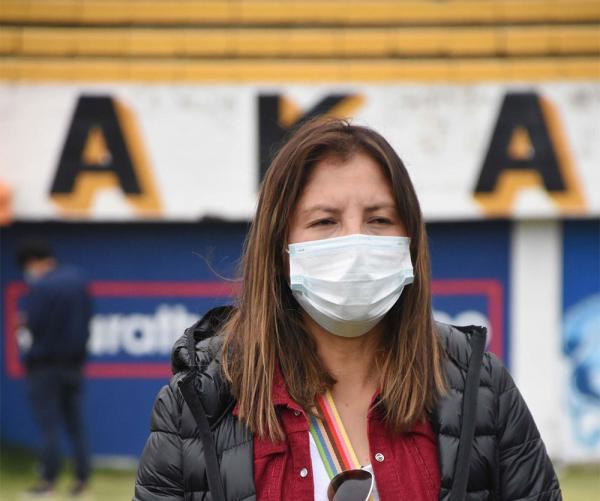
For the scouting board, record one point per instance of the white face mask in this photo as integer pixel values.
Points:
(347, 284)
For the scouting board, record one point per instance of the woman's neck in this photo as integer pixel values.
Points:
(351, 361)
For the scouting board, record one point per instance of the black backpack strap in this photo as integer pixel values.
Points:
(213, 473)
(469, 412)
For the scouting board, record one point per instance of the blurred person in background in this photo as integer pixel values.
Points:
(57, 314)
(330, 379)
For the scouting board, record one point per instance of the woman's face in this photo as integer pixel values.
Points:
(345, 198)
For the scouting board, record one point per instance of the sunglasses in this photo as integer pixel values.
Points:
(350, 485)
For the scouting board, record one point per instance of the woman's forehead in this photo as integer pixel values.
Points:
(358, 178)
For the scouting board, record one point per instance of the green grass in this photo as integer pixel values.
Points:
(580, 483)
(17, 473)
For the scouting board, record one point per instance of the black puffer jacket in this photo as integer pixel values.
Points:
(507, 460)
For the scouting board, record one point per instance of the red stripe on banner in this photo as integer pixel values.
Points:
(127, 370)
(164, 289)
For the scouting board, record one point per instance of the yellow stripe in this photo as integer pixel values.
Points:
(297, 11)
(342, 430)
(127, 42)
(256, 71)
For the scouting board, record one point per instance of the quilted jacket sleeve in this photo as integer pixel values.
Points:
(526, 472)
(159, 475)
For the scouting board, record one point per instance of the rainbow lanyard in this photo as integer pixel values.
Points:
(331, 438)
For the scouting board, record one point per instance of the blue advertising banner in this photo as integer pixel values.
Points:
(470, 272)
(150, 281)
(581, 335)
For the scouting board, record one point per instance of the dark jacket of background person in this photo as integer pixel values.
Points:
(508, 460)
(58, 311)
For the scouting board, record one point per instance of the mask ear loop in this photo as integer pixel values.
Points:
(285, 257)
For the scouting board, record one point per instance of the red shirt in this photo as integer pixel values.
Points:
(407, 470)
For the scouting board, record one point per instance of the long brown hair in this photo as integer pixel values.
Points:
(266, 329)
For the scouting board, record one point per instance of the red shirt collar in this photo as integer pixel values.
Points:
(281, 398)
(279, 394)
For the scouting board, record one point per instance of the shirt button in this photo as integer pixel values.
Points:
(304, 472)
(297, 413)
(379, 457)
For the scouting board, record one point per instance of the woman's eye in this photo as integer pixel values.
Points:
(322, 222)
(380, 220)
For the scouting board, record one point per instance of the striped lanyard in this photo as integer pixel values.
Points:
(331, 438)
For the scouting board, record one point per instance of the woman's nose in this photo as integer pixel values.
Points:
(352, 226)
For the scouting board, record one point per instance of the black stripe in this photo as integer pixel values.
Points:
(213, 472)
(469, 412)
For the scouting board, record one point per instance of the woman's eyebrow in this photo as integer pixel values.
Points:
(376, 207)
(320, 207)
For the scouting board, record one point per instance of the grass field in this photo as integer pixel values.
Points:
(17, 473)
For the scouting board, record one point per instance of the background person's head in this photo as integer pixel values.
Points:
(35, 257)
(269, 331)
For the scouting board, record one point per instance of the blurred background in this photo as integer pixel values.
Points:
(134, 135)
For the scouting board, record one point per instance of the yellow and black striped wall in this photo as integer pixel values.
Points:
(299, 40)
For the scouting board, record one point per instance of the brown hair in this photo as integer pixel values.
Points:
(266, 329)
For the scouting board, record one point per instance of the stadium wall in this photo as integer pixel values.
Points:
(134, 135)
(151, 280)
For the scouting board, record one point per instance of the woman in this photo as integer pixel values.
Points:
(331, 361)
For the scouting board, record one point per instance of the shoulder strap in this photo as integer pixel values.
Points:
(213, 473)
(469, 410)
(331, 438)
